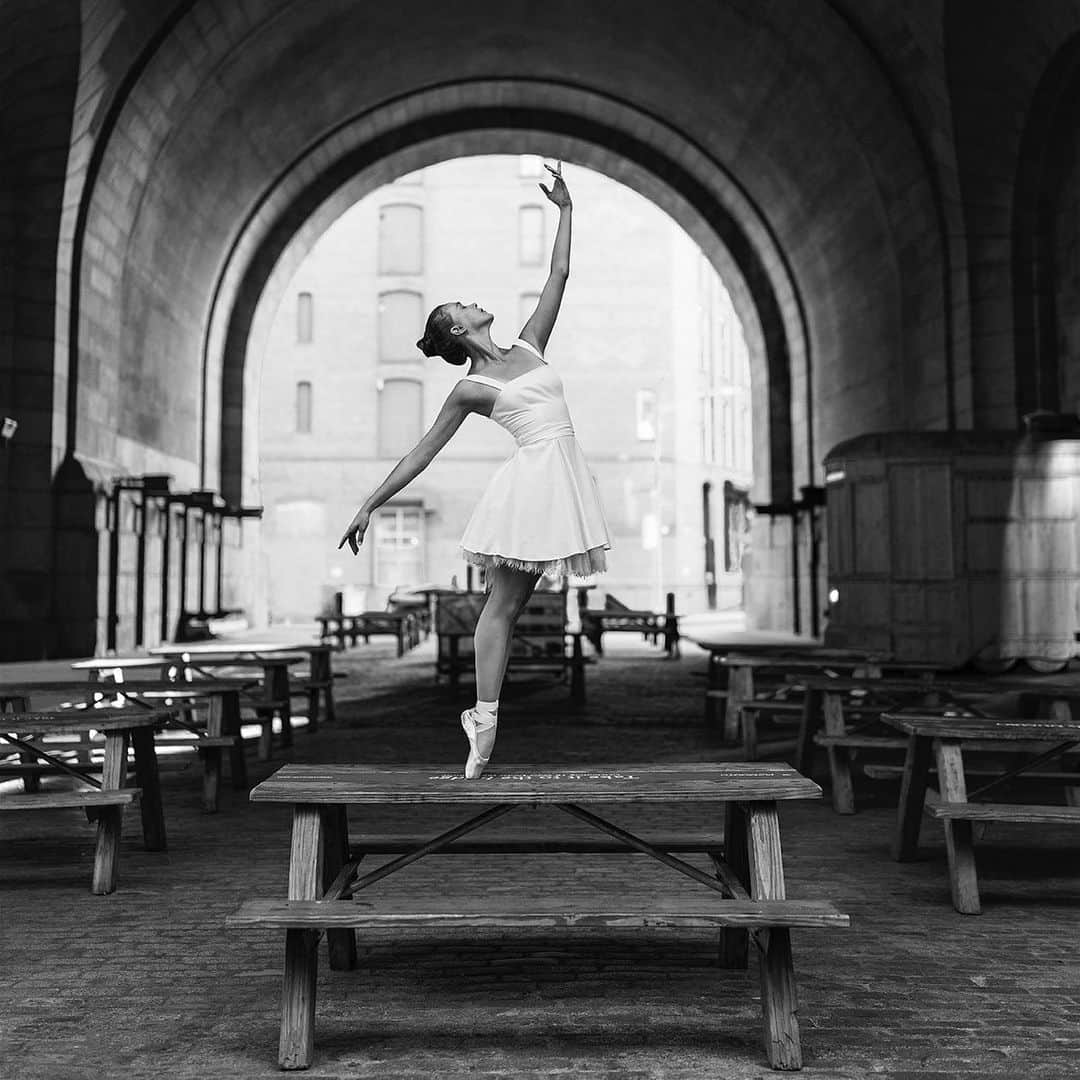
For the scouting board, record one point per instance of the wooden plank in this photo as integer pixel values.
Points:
(520, 842)
(641, 782)
(59, 800)
(78, 721)
(959, 842)
(884, 771)
(1012, 812)
(734, 942)
(147, 778)
(341, 944)
(905, 843)
(779, 999)
(297, 1041)
(843, 792)
(107, 848)
(860, 741)
(999, 728)
(424, 913)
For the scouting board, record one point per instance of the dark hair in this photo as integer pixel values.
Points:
(438, 341)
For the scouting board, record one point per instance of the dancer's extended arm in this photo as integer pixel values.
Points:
(462, 400)
(538, 329)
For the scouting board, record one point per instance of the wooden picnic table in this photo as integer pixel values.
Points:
(745, 890)
(105, 797)
(219, 733)
(943, 740)
(187, 662)
(828, 700)
(318, 680)
(738, 666)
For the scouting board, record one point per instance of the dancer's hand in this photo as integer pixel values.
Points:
(558, 193)
(354, 534)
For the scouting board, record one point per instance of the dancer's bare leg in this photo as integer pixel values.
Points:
(508, 595)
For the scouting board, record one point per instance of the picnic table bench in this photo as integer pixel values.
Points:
(616, 617)
(104, 798)
(214, 735)
(744, 892)
(403, 624)
(932, 736)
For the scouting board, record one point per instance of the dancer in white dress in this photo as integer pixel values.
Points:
(541, 512)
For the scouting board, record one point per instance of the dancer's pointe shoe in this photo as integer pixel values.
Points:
(480, 731)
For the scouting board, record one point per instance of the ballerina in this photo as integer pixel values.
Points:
(540, 515)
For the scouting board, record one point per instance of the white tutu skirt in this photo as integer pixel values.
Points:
(540, 512)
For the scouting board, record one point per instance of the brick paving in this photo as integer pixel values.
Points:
(149, 983)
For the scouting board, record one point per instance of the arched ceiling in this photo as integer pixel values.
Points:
(234, 111)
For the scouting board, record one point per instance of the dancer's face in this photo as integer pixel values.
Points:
(471, 316)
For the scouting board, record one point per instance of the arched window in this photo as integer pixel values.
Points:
(401, 415)
(531, 235)
(305, 318)
(401, 239)
(303, 408)
(401, 322)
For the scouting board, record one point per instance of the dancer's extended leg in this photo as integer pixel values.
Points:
(509, 593)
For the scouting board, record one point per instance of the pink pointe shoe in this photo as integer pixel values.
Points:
(479, 731)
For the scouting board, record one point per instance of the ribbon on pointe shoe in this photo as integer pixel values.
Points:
(473, 726)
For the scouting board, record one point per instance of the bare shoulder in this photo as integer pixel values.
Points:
(469, 395)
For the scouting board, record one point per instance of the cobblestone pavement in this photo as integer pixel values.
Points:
(148, 982)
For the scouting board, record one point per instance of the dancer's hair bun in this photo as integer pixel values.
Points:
(438, 341)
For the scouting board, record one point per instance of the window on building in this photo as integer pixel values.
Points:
(727, 431)
(526, 306)
(645, 415)
(401, 322)
(531, 235)
(303, 408)
(305, 318)
(707, 408)
(399, 545)
(531, 166)
(401, 239)
(401, 403)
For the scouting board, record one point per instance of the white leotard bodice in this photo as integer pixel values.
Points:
(531, 406)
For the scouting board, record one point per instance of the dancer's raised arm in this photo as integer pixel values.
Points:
(538, 329)
(462, 400)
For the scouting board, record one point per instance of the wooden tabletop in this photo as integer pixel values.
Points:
(83, 689)
(754, 641)
(440, 783)
(983, 727)
(207, 650)
(70, 721)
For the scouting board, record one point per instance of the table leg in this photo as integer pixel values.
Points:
(341, 943)
(107, 850)
(577, 673)
(909, 813)
(779, 999)
(843, 793)
(230, 725)
(734, 942)
(740, 690)
(716, 679)
(212, 756)
(301, 946)
(959, 844)
(278, 682)
(808, 727)
(146, 776)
